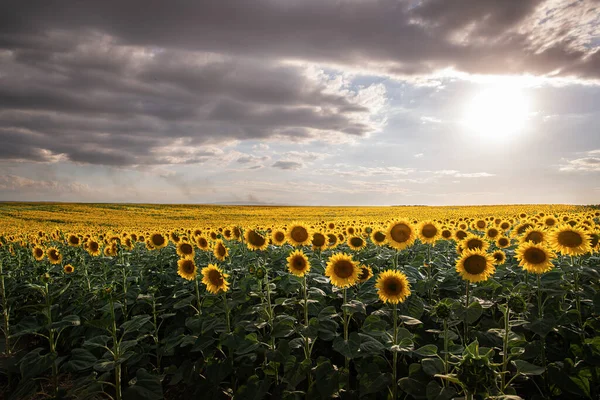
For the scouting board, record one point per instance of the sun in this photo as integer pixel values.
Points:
(497, 113)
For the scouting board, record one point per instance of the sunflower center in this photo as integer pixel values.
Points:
(379, 237)
(364, 274)
(429, 231)
(202, 242)
(400, 233)
(473, 244)
(356, 242)
(393, 287)
(460, 235)
(332, 239)
(186, 248)
(481, 224)
(535, 237)
(523, 228)
(570, 239)
(298, 263)
(503, 242)
(595, 238)
(535, 256)
(215, 277)
(256, 239)
(343, 269)
(299, 234)
(39, 252)
(505, 225)
(158, 240)
(279, 236)
(475, 264)
(493, 232)
(446, 234)
(221, 250)
(318, 240)
(93, 246)
(498, 257)
(550, 222)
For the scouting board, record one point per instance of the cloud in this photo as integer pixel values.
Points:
(589, 163)
(457, 174)
(287, 165)
(18, 184)
(249, 158)
(419, 155)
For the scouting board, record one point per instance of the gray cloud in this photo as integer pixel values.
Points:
(287, 165)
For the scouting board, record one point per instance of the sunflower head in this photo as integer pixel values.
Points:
(278, 237)
(185, 250)
(378, 238)
(428, 232)
(365, 273)
(68, 269)
(460, 234)
(220, 251)
(342, 270)
(446, 234)
(158, 240)
(356, 243)
(392, 287)
(93, 248)
(298, 234)
(73, 240)
(492, 233)
(54, 255)
(38, 253)
(475, 265)
(473, 242)
(569, 240)
(535, 258)
(499, 257)
(533, 235)
(516, 303)
(319, 241)
(255, 241)
(202, 243)
(214, 279)
(332, 240)
(400, 234)
(298, 263)
(186, 268)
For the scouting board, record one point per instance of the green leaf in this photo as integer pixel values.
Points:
(435, 392)
(81, 360)
(426, 351)
(473, 312)
(409, 320)
(370, 345)
(354, 306)
(432, 366)
(144, 386)
(104, 365)
(525, 368)
(348, 348)
(135, 323)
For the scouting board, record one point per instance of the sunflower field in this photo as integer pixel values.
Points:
(182, 302)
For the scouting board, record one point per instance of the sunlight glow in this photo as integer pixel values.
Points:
(497, 113)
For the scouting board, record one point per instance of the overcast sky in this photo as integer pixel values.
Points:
(308, 102)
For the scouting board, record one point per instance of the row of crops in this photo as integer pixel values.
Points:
(483, 307)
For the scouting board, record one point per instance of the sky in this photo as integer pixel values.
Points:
(300, 102)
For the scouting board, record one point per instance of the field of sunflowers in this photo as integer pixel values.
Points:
(181, 302)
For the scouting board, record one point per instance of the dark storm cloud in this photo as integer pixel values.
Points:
(138, 82)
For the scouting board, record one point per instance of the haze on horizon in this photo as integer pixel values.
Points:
(352, 102)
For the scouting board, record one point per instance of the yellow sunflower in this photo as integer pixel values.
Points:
(38, 253)
(54, 255)
(475, 265)
(503, 242)
(93, 248)
(73, 240)
(202, 243)
(186, 268)
(400, 234)
(220, 251)
(319, 241)
(298, 263)
(255, 241)
(479, 225)
(185, 250)
(533, 235)
(446, 233)
(298, 235)
(365, 273)
(332, 240)
(535, 258)
(569, 240)
(499, 257)
(460, 234)
(550, 222)
(214, 279)
(428, 232)
(278, 237)
(492, 233)
(378, 238)
(356, 243)
(392, 287)
(158, 240)
(110, 251)
(473, 242)
(342, 270)
(69, 269)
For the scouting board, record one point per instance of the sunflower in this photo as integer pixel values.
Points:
(73, 240)
(38, 253)
(110, 251)
(227, 233)
(428, 232)
(569, 240)
(332, 240)
(342, 270)
(69, 269)
(550, 222)
(446, 234)
(298, 234)
(214, 279)
(278, 237)
(460, 234)
(499, 257)
(365, 273)
(93, 248)
(533, 235)
(255, 241)
(185, 250)
(595, 240)
(319, 241)
(504, 225)
(202, 243)
(521, 228)
(158, 240)
(54, 255)
(400, 234)
(473, 242)
(174, 236)
(331, 225)
(534, 257)
(220, 251)
(479, 225)
(492, 233)
(186, 268)
(237, 232)
(298, 263)
(503, 242)
(392, 287)
(356, 243)
(475, 265)
(378, 238)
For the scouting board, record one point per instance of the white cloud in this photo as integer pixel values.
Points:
(419, 155)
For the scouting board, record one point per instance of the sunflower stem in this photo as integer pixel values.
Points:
(395, 355)
(505, 346)
(346, 359)
(226, 312)
(540, 316)
(446, 369)
(466, 339)
(5, 315)
(306, 338)
(198, 303)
